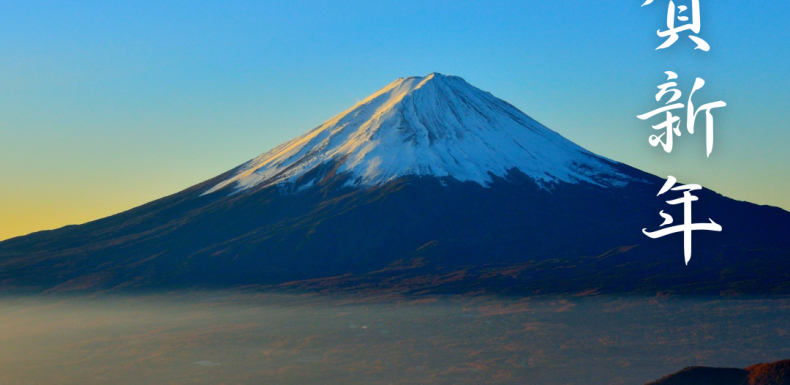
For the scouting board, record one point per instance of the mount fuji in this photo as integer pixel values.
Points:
(429, 185)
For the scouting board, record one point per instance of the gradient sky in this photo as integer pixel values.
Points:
(107, 105)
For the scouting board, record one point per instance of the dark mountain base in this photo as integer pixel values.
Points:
(414, 234)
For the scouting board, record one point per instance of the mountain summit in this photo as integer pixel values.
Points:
(435, 125)
(430, 185)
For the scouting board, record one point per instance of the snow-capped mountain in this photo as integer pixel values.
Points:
(435, 125)
(429, 185)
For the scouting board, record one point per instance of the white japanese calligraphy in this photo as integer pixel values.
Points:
(672, 31)
(671, 124)
(687, 227)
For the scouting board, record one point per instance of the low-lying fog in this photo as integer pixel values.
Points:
(232, 338)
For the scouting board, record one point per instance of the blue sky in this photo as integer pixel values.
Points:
(108, 105)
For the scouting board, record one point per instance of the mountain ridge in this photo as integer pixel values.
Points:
(775, 373)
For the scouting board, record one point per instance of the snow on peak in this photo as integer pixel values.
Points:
(434, 125)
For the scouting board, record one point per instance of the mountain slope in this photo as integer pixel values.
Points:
(537, 217)
(434, 126)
